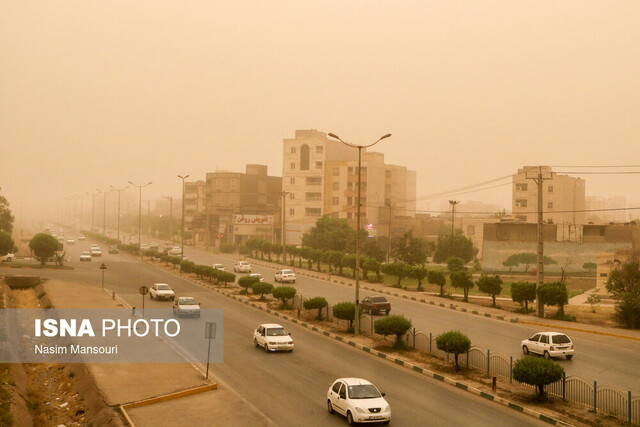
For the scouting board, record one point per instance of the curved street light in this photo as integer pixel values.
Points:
(118, 190)
(140, 187)
(182, 230)
(359, 147)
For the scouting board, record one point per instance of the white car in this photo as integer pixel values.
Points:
(285, 276)
(258, 275)
(358, 400)
(549, 344)
(7, 258)
(96, 251)
(160, 291)
(71, 242)
(85, 256)
(242, 267)
(186, 307)
(272, 337)
(175, 251)
(81, 237)
(218, 267)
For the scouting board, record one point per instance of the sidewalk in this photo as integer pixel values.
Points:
(124, 383)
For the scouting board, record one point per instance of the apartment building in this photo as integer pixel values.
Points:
(320, 177)
(563, 197)
(195, 218)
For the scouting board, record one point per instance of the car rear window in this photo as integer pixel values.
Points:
(379, 299)
(561, 339)
(164, 287)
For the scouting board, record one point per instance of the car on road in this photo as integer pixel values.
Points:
(144, 246)
(153, 245)
(81, 237)
(175, 251)
(71, 242)
(272, 337)
(374, 305)
(242, 267)
(218, 267)
(285, 276)
(160, 291)
(113, 249)
(7, 258)
(358, 400)
(85, 256)
(95, 251)
(549, 344)
(186, 307)
(258, 275)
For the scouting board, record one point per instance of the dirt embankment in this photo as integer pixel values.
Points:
(50, 394)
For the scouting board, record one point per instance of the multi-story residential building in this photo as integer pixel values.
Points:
(233, 206)
(320, 177)
(563, 197)
(601, 209)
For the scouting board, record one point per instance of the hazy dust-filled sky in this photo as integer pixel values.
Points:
(98, 93)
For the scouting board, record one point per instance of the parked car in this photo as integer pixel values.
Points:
(358, 400)
(218, 267)
(258, 275)
(272, 337)
(285, 276)
(85, 256)
(549, 344)
(242, 267)
(175, 251)
(113, 249)
(153, 245)
(71, 242)
(144, 246)
(81, 237)
(160, 291)
(186, 307)
(7, 258)
(374, 305)
(96, 251)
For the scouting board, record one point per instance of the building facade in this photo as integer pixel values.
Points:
(320, 177)
(563, 197)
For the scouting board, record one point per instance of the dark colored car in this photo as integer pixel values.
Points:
(113, 249)
(376, 305)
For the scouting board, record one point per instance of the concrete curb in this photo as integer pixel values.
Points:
(164, 398)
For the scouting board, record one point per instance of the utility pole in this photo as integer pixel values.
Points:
(283, 231)
(389, 235)
(140, 187)
(104, 210)
(119, 190)
(540, 267)
(182, 231)
(93, 209)
(453, 215)
(170, 199)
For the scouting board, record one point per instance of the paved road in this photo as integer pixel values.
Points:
(608, 360)
(290, 388)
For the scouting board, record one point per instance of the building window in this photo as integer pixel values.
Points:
(349, 201)
(363, 171)
(292, 212)
(522, 218)
(318, 165)
(350, 170)
(349, 185)
(549, 205)
(293, 166)
(292, 180)
(304, 157)
(293, 150)
(336, 201)
(550, 189)
(470, 230)
(521, 203)
(319, 149)
(336, 171)
(387, 174)
(312, 212)
(336, 186)
(521, 187)
(313, 180)
(349, 215)
(292, 196)
(313, 197)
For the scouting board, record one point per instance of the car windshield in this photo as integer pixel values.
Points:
(364, 391)
(276, 332)
(561, 339)
(187, 301)
(164, 287)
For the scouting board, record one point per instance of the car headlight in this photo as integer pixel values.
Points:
(387, 408)
(359, 410)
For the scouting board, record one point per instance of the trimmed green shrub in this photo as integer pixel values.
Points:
(225, 277)
(262, 288)
(284, 293)
(247, 282)
(523, 292)
(227, 248)
(187, 266)
(453, 342)
(393, 325)
(316, 303)
(537, 372)
(491, 285)
(345, 311)
(437, 278)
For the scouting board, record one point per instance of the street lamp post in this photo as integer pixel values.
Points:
(104, 210)
(453, 216)
(182, 230)
(359, 147)
(119, 190)
(140, 187)
(82, 196)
